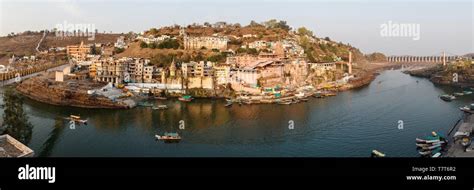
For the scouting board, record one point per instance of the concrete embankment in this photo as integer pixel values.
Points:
(464, 127)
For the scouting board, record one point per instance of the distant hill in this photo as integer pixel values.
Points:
(471, 55)
(376, 57)
(25, 43)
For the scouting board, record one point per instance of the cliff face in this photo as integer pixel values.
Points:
(51, 92)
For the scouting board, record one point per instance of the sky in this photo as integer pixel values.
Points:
(432, 26)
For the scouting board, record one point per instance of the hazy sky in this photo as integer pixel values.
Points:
(444, 25)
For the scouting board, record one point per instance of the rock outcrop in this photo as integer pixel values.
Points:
(69, 93)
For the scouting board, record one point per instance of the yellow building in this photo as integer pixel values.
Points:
(78, 52)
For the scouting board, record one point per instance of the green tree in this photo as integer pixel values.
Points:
(95, 50)
(15, 121)
(152, 46)
(305, 31)
(273, 23)
(118, 50)
(162, 60)
(220, 57)
(169, 44)
(254, 24)
(143, 45)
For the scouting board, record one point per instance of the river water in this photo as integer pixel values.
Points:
(351, 124)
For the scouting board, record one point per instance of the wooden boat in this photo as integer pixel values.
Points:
(160, 107)
(431, 147)
(377, 154)
(185, 98)
(418, 140)
(285, 102)
(169, 137)
(160, 98)
(300, 95)
(465, 108)
(422, 145)
(430, 152)
(447, 97)
(145, 104)
(424, 153)
(436, 155)
(304, 99)
(77, 119)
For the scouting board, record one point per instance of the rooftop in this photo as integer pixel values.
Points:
(10, 147)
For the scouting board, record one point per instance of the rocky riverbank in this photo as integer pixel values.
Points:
(366, 74)
(70, 93)
(457, 74)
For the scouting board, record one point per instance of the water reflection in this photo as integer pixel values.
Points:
(53, 137)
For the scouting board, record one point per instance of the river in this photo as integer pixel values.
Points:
(351, 124)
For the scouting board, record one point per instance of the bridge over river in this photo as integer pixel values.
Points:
(443, 58)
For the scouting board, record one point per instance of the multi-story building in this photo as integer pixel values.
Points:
(222, 74)
(241, 60)
(78, 52)
(136, 70)
(208, 42)
(109, 70)
(148, 74)
(259, 44)
(151, 39)
(188, 69)
(120, 42)
(267, 72)
(204, 69)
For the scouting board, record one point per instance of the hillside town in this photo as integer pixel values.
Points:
(242, 67)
